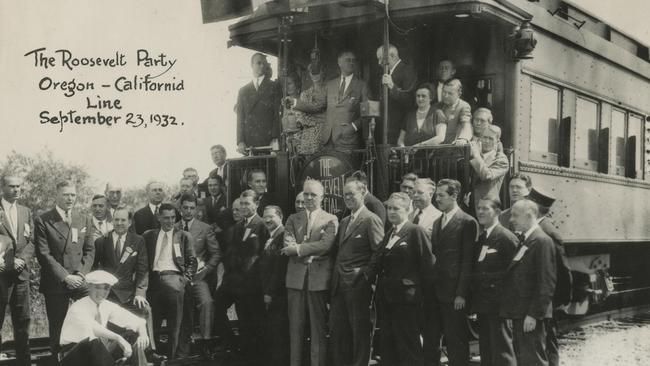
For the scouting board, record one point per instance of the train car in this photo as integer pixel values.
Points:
(569, 91)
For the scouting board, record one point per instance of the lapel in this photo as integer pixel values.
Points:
(59, 225)
(401, 236)
(453, 222)
(355, 225)
(348, 91)
(529, 243)
(151, 249)
(128, 243)
(314, 224)
(109, 250)
(6, 223)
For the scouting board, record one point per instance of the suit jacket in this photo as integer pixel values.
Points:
(206, 248)
(314, 250)
(203, 186)
(453, 247)
(489, 174)
(405, 269)
(375, 206)
(400, 99)
(266, 199)
(342, 113)
(353, 249)
(273, 266)
(144, 219)
(23, 243)
(258, 113)
(217, 212)
(490, 267)
(458, 119)
(182, 251)
(504, 219)
(564, 285)
(530, 279)
(57, 252)
(94, 231)
(130, 267)
(241, 267)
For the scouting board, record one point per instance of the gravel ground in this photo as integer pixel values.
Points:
(610, 343)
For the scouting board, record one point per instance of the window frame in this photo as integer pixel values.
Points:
(613, 138)
(538, 155)
(640, 141)
(580, 163)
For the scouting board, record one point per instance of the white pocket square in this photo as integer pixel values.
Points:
(358, 236)
(402, 244)
(253, 235)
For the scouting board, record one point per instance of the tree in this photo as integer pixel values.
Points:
(41, 173)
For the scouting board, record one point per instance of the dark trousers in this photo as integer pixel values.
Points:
(250, 317)
(530, 348)
(166, 293)
(197, 297)
(552, 346)
(495, 341)
(276, 333)
(102, 351)
(16, 293)
(144, 313)
(441, 319)
(56, 307)
(350, 326)
(399, 338)
(312, 304)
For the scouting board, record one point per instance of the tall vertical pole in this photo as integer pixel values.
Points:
(383, 148)
(384, 129)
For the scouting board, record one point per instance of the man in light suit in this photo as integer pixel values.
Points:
(490, 165)
(528, 287)
(452, 243)
(146, 218)
(65, 253)
(342, 128)
(258, 108)
(97, 222)
(400, 79)
(309, 236)
(242, 284)
(424, 214)
(17, 225)
(456, 113)
(172, 264)
(518, 188)
(198, 294)
(351, 291)
(124, 254)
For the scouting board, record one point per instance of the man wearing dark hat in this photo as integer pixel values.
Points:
(562, 295)
(88, 339)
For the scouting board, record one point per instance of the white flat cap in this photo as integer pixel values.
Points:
(101, 277)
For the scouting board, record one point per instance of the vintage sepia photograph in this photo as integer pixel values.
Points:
(325, 182)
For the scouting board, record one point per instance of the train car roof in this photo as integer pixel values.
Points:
(259, 30)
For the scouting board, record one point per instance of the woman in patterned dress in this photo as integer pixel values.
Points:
(309, 111)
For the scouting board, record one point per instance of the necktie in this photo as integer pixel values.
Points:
(67, 217)
(347, 229)
(101, 226)
(483, 237)
(257, 84)
(416, 220)
(156, 211)
(118, 247)
(13, 217)
(98, 316)
(444, 221)
(165, 251)
(522, 238)
(342, 88)
(185, 227)
(309, 223)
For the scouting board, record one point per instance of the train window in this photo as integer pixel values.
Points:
(635, 146)
(586, 144)
(618, 136)
(544, 122)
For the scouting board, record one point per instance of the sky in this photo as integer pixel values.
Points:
(211, 74)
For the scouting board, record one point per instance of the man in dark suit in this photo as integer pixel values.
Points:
(218, 154)
(452, 242)
(371, 202)
(273, 269)
(528, 286)
(124, 255)
(400, 79)
(65, 254)
(404, 264)
(17, 225)
(518, 188)
(564, 281)
(496, 246)
(198, 294)
(445, 72)
(342, 128)
(146, 218)
(257, 182)
(172, 264)
(241, 283)
(196, 189)
(309, 236)
(97, 222)
(351, 291)
(258, 108)
(113, 193)
(216, 213)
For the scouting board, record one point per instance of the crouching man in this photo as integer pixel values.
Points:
(99, 332)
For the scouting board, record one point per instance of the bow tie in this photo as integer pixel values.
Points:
(522, 238)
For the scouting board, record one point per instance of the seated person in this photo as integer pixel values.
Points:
(490, 166)
(419, 126)
(85, 336)
(456, 113)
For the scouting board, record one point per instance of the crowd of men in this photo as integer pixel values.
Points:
(302, 286)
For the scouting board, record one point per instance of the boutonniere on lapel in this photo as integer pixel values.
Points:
(520, 253)
(128, 251)
(177, 249)
(247, 233)
(27, 230)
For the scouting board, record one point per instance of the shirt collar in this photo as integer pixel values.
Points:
(394, 66)
(347, 79)
(153, 207)
(530, 231)
(451, 212)
(60, 211)
(189, 223)
(6, 204)
(272, 233)
(488, 231)
(96, 221)
(398, 228)
(358, 211)
(489, 155)
(247, 220)
(312, 213)
(258, 80)
(117, 236)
